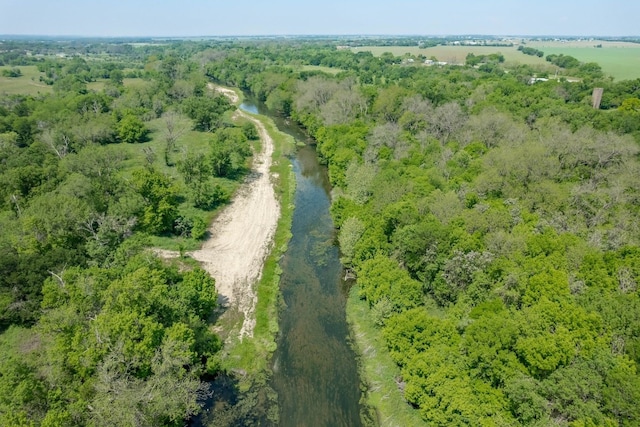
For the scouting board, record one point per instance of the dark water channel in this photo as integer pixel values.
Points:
(314, 369)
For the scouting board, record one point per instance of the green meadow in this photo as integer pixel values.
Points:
(328, 70)
(622, 63)
(27, 84)
(618, 59)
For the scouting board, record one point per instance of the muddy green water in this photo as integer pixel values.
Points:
(315, 372)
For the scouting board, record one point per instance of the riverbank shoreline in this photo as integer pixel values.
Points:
(241, 236)
(245, 359)
(249, 356)
(378, 372)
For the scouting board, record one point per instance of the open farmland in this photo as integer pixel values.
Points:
(621, 60)
(28, 83)
(618, 59)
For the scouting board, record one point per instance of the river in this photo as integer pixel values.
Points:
(315, 371)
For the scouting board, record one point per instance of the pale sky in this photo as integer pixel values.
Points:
(175, 18)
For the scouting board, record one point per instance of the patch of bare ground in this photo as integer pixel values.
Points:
(242, 235)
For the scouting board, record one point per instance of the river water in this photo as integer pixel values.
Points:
(315, 372)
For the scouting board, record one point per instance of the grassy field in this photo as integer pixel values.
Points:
(617, 59)
(579, 43)
(27, 84)
(99, 85)
(327, 70)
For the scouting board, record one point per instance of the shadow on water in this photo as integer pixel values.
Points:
(221, 395)
(225, 406)
(315, 372)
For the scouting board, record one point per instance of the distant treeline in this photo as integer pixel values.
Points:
(563, 61)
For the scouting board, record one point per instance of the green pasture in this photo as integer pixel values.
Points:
(617, 59)
(622, 63)
(321, 68)
(99, 85)
(538, 44)
(28, 83)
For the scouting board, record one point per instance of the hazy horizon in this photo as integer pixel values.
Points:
(249, 36)
(200, 18)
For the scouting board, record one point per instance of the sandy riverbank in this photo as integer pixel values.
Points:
(242, 235)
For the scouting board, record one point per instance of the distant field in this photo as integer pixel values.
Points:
(580, 43)
(456, 54)
(27, 84)
(96, 86)
(618, 59)
(99, 84)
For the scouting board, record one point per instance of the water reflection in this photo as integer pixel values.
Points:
(249, 108)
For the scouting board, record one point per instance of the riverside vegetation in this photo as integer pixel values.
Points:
(491, 225)
(91, 319)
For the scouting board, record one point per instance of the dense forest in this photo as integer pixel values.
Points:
(92, 320)
(491, 224)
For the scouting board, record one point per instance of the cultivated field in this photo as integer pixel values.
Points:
(620, 60)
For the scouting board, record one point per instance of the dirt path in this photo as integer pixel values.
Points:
(242, 235)
(233, 97)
